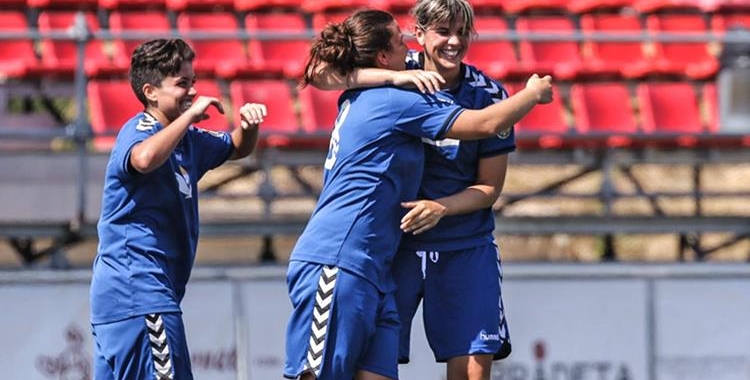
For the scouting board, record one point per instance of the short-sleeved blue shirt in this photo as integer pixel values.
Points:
(148, 228)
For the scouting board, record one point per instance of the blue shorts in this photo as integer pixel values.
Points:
(340, 324)
(461, 299)
(146, 347)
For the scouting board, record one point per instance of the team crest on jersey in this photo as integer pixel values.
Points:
(505, 134)
(146, 123)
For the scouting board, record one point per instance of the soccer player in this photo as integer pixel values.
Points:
(344, 323)
(148, 228)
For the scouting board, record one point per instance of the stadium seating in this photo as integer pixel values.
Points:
(561, 59)
(495, 57)
(546, 126)
(603, 112)
(670, 112)
(319, 109)
(281, 126)
(225, 54)
(256, 5)
(60, 57)
(692, 59)
(200, 5)
(142, 5)
(111, 104)
(285, 56)
(63, 4)
(524, 6)
(590, 6)
(17, 57)
(620, 58)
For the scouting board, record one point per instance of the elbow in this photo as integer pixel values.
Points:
(499, 128)
(143, 162)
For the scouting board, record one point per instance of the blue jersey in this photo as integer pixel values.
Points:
(374, 162)
(148, 228)
(451, 167)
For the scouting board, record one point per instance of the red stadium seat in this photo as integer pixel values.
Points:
(133, 4)
(319, 109)
(221, 56)
(589, 6)
(60, 57)
(63, 4)
(255, 5)
(314, 6)
(154, 22)
(545, 126)
(286, 55)
(623, 58)
(524, 6)
(602, 111)
(692, 59)
(722, 22)
(111, 104)
(652, 6)
(497, 56)
(281, 126)
(670, 110)
(200, 5)
(17, 57)
(559, 58)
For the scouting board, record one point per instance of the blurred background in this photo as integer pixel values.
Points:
(624, 223)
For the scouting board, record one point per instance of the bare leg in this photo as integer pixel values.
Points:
(469, 367)
(365, 375)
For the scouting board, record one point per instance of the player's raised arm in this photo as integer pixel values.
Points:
(496, 118)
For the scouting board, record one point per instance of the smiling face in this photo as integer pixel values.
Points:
(445, 44)
(174, 96)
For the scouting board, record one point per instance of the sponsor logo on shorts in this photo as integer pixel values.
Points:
(483, 335)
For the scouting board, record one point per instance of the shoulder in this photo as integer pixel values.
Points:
(478, 80)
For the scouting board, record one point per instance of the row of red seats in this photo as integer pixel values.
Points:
(598, 113)
(230, 57)
(508, 6)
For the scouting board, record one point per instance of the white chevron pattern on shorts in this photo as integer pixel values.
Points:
(157, 334)
(321, 314)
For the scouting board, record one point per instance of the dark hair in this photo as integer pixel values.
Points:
(154, 60)
(353, 43)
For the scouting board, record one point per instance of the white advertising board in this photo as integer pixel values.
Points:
(702, 329)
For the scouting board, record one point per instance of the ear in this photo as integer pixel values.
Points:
(419, 35)
(382, 59)
(149, 90)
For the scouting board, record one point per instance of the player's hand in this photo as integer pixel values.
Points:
(425, 81)
(252, 114)
(200, 105)
(424, 214)
(542, 86)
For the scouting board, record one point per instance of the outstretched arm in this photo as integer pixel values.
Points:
(326, 78)
(496, 118)
(425, 214)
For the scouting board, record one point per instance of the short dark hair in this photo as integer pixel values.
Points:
(353, 43)
(154, 60)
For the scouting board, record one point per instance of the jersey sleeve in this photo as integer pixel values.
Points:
(214, 147)
(135, 130)
(492, 92)
(424, 115)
